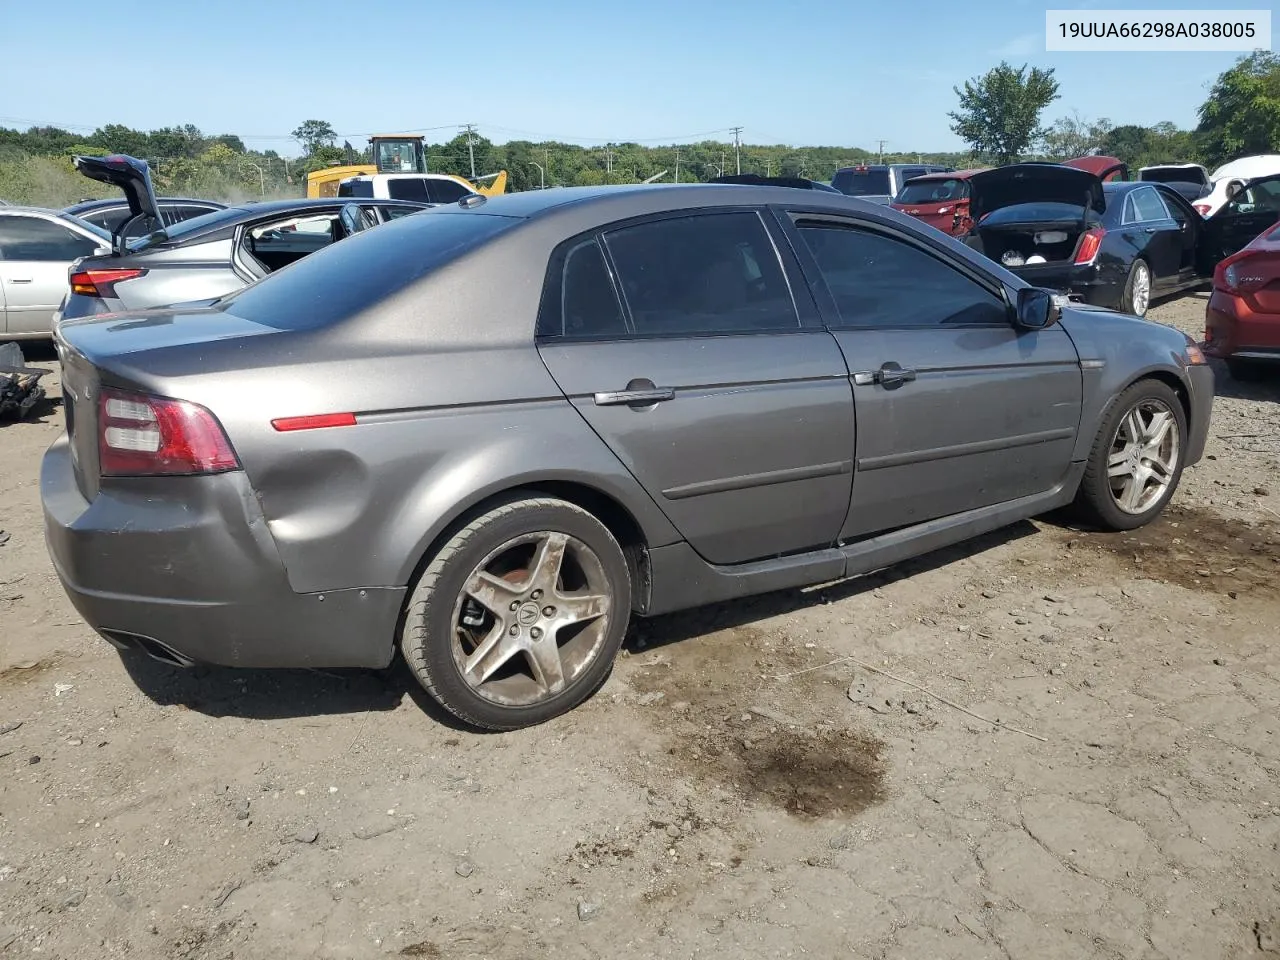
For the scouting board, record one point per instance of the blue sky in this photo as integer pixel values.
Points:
(831, 72)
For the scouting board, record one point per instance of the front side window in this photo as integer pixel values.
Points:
(878, 281)
(933, 191)
(702, 275)
(37, 239)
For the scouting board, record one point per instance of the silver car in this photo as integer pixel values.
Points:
(37, 246)
(488, 434)
(207, 256)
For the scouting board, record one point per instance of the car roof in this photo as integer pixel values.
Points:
(229, 218)
(405, 176)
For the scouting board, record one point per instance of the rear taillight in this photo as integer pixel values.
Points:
(1202, 208)
(141, 436)
(101, 283)
(1090, 243)
(1234, 275)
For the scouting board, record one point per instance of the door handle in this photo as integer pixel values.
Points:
(888, 374)
(19, 279)
(1149, 229)
(638, 394)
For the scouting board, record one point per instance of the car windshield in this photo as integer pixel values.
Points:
(1034, 213)
(862, 183)
(933, 191)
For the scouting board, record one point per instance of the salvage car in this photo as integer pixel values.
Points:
(111, 213)
(37, 246)
(679, 395)
(207, 256)
(879, 182)
(1231, 177)
(939, 199)
(1189, 179)
(1115, 245)
(1242, 318)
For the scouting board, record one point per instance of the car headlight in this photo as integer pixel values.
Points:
(1192, 355)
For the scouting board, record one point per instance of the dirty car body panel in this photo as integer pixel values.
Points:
(732, 456)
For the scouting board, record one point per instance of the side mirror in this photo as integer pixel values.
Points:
(1037, 308)
(352, 218)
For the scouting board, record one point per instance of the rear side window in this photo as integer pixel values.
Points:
(878, 281)
(356, 188)
(410, 189)
(933, 191)
(345, 278)
(588, 302)
(1149, 206)
(703, 275)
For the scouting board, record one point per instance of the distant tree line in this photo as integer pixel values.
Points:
(998, 115)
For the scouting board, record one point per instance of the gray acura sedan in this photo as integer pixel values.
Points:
(490, 433)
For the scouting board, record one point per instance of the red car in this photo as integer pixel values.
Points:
(1104, 168)
(939, 199)
(1242, 320)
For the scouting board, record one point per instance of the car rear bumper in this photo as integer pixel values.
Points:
(1233, 329)
(1087, 281)
(197, 579)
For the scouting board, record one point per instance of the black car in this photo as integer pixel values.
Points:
(110, 214)
(1115, 244)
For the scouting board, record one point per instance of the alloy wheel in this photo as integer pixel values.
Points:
(1141, 288)
(1144, 456)
(531, 617)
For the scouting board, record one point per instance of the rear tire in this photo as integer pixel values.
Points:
(1136, 460)
(1136, 297)
(519, 616)
(1246, 371)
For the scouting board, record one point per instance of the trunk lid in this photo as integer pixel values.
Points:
(1102, 167)
(133, 177)
(106, 350)
(1033, 182)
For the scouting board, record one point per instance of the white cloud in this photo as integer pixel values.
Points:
(1022, 45)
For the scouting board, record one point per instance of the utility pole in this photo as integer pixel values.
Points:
(608, 158)
(882, 143)
(546, 157)
(471, 150)
(677, 164)
(722, 163)
(737, 148)
(768, 167)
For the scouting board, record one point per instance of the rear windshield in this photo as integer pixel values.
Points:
(345, 278)
(1034, 213)
(933, 191)
(862, 183)
(1172, 175)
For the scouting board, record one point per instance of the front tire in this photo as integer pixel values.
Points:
(519, 616)
(1136, 297)
(1136, 460)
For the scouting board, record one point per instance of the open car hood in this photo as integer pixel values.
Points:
(132, 176)
(1033, 183)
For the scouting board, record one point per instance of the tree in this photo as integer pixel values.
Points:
(999, 112)
(314, 134)
(1074, 136)
(1242, 113)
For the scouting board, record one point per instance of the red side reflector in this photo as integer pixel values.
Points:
(101, 283)
(315, 421)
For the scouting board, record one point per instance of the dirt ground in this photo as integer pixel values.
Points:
(1098, 774)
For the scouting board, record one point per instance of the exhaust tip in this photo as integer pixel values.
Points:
(123, 640)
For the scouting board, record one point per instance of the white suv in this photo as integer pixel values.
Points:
(417, 187)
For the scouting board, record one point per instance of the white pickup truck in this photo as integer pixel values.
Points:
(418, 187)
